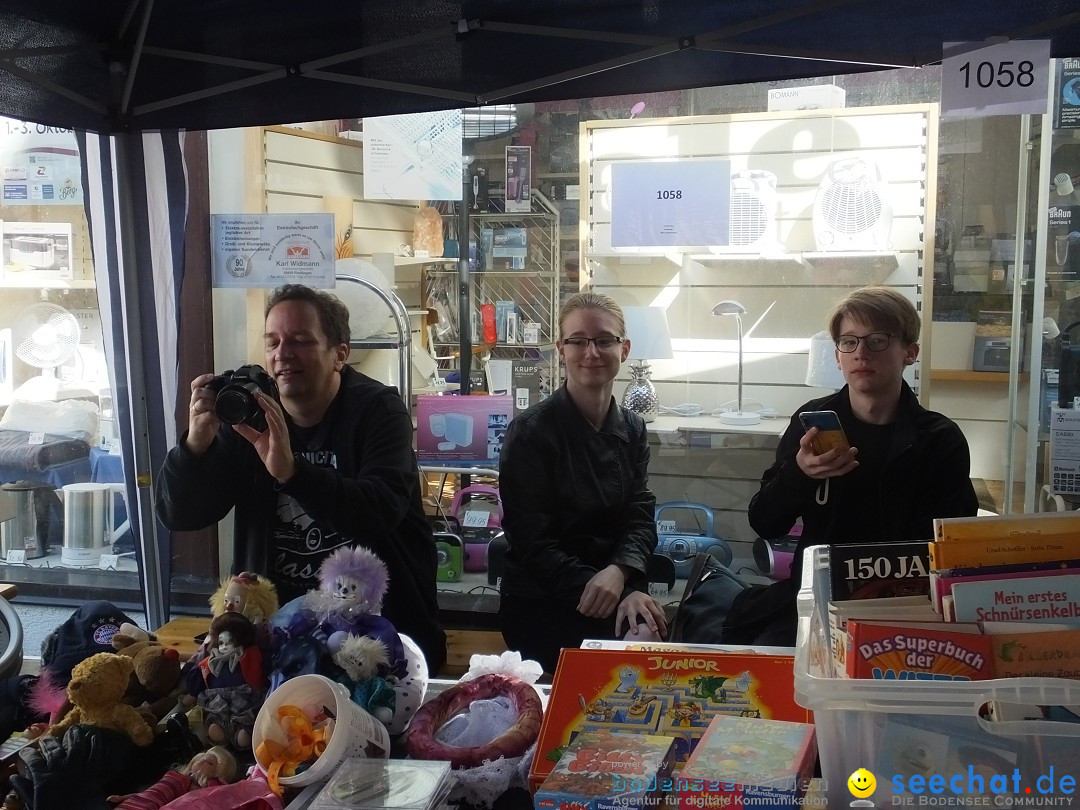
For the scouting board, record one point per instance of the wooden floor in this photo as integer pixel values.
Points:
(993, 496)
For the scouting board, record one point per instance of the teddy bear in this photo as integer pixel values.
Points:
(156, 678)
(96, 691)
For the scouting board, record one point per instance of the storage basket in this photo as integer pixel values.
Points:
(859, 720)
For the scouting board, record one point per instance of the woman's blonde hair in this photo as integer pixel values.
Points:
(880, 307)
(593, 300)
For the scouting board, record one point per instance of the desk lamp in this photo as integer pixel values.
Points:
(650, 339)
(739, 416)
(822, 368)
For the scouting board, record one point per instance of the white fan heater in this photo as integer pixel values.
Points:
(751, 213)
(851, 211)
(46, 336)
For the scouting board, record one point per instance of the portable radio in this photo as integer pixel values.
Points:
(479, 512)
(683, 546)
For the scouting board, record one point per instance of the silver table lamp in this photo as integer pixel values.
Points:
(739, 416)
(647, 329)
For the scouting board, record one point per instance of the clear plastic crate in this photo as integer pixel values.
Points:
(899, 728)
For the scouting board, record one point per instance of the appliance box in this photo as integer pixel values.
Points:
(1064, 471)
(814, 97)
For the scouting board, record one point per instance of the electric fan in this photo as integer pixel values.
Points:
(752, 217)
(46, 336)
(851, 211)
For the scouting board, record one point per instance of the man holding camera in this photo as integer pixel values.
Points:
(334, 465)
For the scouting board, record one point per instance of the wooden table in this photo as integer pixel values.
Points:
(460, 644)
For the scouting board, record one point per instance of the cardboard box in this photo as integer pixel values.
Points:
(814, 97)
(673, 693)
(461, 428)
(1064, 450)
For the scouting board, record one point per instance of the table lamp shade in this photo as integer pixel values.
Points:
(647, 328)
(822, 370)
(649, 340)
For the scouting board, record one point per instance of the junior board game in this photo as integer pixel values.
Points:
(675, 693)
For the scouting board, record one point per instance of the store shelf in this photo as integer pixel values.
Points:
(28, 283)
(727, 259)
(853, 260)
(413, 261)
(964, 375)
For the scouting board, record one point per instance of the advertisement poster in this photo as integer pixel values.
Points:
(413, 157)
(36, 250)
(39, 165)
(518, 179)
(268, 250)
(670, 203)
(1067, 103)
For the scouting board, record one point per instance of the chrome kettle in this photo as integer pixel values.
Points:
(37, 516)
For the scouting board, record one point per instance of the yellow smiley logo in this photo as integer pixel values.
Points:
(861, 783)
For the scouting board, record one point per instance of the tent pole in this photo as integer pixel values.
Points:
(464, 306)
(141, 511)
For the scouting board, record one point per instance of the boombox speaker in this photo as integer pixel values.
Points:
(683, 546)
(774, 557)
(496, 559)
(450, 556)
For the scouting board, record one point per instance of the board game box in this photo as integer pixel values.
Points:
(605, 770)
(741, 758)
(673, 693)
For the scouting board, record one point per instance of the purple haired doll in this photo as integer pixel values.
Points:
(352, 584)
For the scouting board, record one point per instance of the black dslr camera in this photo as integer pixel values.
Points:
(236, 392)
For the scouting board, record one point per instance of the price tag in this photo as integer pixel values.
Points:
(670, 203)
(1009, 78)
(658, 590)
(37, 438)
(16, 557)
(108, 561)
(665, 527)
(476, 518)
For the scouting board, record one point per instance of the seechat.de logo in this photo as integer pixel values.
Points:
(862, 784)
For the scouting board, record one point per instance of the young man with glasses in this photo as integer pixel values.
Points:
(905, 465)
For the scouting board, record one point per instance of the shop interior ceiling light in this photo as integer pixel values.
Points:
(738, 416)
(650, 339)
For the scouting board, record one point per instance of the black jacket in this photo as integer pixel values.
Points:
(373, 496)
(575, 499)
(925, 476)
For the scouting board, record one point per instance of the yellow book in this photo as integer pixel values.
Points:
(989, 550)
(1046, 524)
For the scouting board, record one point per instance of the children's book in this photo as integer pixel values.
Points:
(884, 650)
(741, 758)
(1059, 525)
(897, 609)
(605, 770)
(872, 570)
(990, 550)
(673, 693)
(1054, 599)
(941, 582)
(1039, 650)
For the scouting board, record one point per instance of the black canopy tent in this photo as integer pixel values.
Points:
(117, 65)
(121, 68)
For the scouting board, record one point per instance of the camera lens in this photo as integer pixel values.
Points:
(236, 403)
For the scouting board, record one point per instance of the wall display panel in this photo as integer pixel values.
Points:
(868, 166)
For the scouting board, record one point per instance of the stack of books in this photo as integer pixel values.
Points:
(1003, 600)
(378, 784)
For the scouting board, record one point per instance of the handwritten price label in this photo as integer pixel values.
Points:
(476, 518)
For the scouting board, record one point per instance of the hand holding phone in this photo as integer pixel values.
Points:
(830, 433)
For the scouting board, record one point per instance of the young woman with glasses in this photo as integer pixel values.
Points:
(905, 465)
(578, 512)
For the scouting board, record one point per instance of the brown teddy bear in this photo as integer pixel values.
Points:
(96, 691)
(155, 681)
